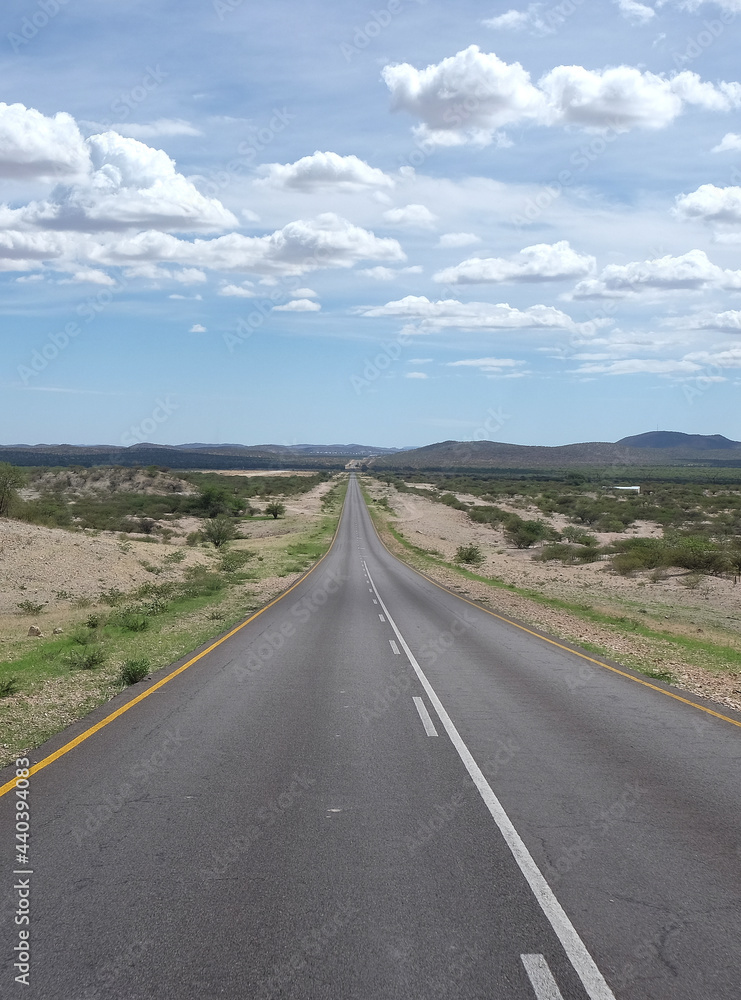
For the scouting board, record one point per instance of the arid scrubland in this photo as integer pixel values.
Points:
(676, 625)
(115, 606)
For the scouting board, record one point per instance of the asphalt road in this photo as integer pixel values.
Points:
(376, 790)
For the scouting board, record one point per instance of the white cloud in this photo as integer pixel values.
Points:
(298, 248)
(420, 361)
(693, 271)
(452, 314)
(493, 365)
(728, 321)
(128, 185)
(89, 275)
(453, 240)
(197, 328)
(711, 204)
(186, 298)
(32, 145)
(641, 366)
(418, 216)
(541, 262)
(512, 20)
(731, 142)
(189, 276)
(155, 129)
(305, 293)
(416, 375)
(466, 97)
(634, 12)
(325, 171)
(469, 97)
(389, 273)
(298, 305)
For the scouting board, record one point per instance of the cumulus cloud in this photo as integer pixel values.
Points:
(731, 142)
(89, 275)
(305, 293)
(728, 321)
(469, 97)
(197, 328)
(236, 291)
(634, 12)
(33, 145)
(711, 204)
(298, 248)
(541, 262)
(452, 314)
(416, 375)
(298, 305)
(513, 20)
(692, 271)
(453, 240)
(129, 186)
(325, 171)
(414, 216)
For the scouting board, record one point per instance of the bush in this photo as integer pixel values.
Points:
(134, 671)
(201, 583)
(568, 554)
(219, 530)
(470, 554)
(523, 534)
(8, 687)
(275, 509)
(230, 562)
(112, 597)
(11, 479)
(29, 607)
(86, 658)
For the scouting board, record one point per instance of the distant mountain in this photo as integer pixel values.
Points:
(675, 439)
(679, 449)
(652, 449)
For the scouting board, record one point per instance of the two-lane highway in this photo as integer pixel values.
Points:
(377, 790)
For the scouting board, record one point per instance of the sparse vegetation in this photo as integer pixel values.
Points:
(469, 554)
(134, 671)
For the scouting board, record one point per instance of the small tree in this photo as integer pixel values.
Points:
(11, 478)
(275, 508)
(219, 530)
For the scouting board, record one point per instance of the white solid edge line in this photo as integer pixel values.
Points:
(583, 963)
(425, 716)
(541, 977)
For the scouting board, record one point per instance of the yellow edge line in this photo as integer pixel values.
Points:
(552, 642)
(4, 789)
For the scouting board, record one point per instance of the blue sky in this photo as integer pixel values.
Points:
(390, 224)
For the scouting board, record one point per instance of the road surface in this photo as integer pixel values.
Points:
(377, 790)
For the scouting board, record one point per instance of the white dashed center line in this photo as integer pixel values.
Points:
(541, 977)
(425, 717)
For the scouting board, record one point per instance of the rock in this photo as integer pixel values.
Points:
(58, 631)
(35, 630)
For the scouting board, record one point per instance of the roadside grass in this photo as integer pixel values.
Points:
(46, 684)
(665, 644)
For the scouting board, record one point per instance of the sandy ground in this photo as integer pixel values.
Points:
(63, 570)
(712, 611)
